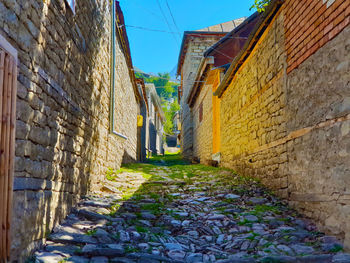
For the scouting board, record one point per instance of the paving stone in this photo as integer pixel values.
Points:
(61, 248)
(121, 260)
(99, 260)
(173, 246)
(177, 254)
(72, 238)
(341, 258)
(278, 259)
(302, 249)
(315, 259)
(257, 201)
(46, 257)
(77, 259)
(190, 228)
(194, 257)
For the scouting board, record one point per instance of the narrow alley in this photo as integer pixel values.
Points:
(167, 210)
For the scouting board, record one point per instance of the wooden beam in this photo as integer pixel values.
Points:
(12, 156)
(2, 69)
(8, 157)
(4, 158)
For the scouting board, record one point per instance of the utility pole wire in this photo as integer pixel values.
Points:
(172, 16)
(160, 7)
(150, 29)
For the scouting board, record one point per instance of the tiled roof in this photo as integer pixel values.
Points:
(220, 29)
(223, 27)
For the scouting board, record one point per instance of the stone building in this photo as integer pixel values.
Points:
(77, 106)
(194, 44)
(142, 123)
(155, 122)
(284, 108)
(205, 107)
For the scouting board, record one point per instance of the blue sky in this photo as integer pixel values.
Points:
(158, 51)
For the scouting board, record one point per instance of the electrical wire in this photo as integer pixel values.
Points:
(172, 16)
(166, 20)
(150, 29)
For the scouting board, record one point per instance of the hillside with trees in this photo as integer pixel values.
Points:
(167, 91)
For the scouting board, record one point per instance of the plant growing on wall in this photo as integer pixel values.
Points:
(260, 5)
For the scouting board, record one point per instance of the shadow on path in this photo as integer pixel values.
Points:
(167, 210)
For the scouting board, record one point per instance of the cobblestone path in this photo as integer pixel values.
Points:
(171, 212)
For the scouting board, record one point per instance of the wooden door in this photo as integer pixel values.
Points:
(8, 93)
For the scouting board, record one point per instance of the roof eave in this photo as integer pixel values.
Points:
(183, 43)
(255, 35)
(229, 34)
(205, 64)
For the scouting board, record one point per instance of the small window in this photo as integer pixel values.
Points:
(201, 112)
(71, 4)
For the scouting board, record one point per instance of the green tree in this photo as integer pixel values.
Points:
(169, 110)
(167, 91)
(260, 5)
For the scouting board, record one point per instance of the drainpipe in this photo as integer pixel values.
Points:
(113, 62)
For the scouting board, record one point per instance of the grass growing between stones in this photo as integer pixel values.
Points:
(156, 206)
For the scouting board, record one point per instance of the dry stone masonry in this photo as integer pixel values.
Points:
(285, 115)
(63, 139)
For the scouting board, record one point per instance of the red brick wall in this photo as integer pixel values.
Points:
(309, 24)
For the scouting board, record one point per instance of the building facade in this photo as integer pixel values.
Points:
(205, 107)
(71, 123)
(284, 108)
(194, 44)
(155, 121)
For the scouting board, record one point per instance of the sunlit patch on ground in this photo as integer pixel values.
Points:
(167, 210)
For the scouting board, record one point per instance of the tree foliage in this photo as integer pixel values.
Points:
(167, 91)
(260, 5)
(165, 88)
(170, 109)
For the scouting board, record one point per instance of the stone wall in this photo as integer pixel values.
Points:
(203, 130)
(195, 50)
(318, 93)
(293, 130)
(63, 139)
(252, 112)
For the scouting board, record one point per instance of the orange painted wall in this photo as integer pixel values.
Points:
(216, 114)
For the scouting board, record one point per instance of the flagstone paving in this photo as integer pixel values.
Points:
(169, 211)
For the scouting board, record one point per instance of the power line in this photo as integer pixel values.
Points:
(172, 16)
(166, 20)
(150, 29)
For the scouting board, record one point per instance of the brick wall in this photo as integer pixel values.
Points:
(63, 143)
(311, 24)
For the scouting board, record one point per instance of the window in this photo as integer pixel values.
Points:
(71, 4)
(201, 112)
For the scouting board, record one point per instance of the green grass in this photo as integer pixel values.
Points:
(336, 248)
(91, 232)
(141, 229)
